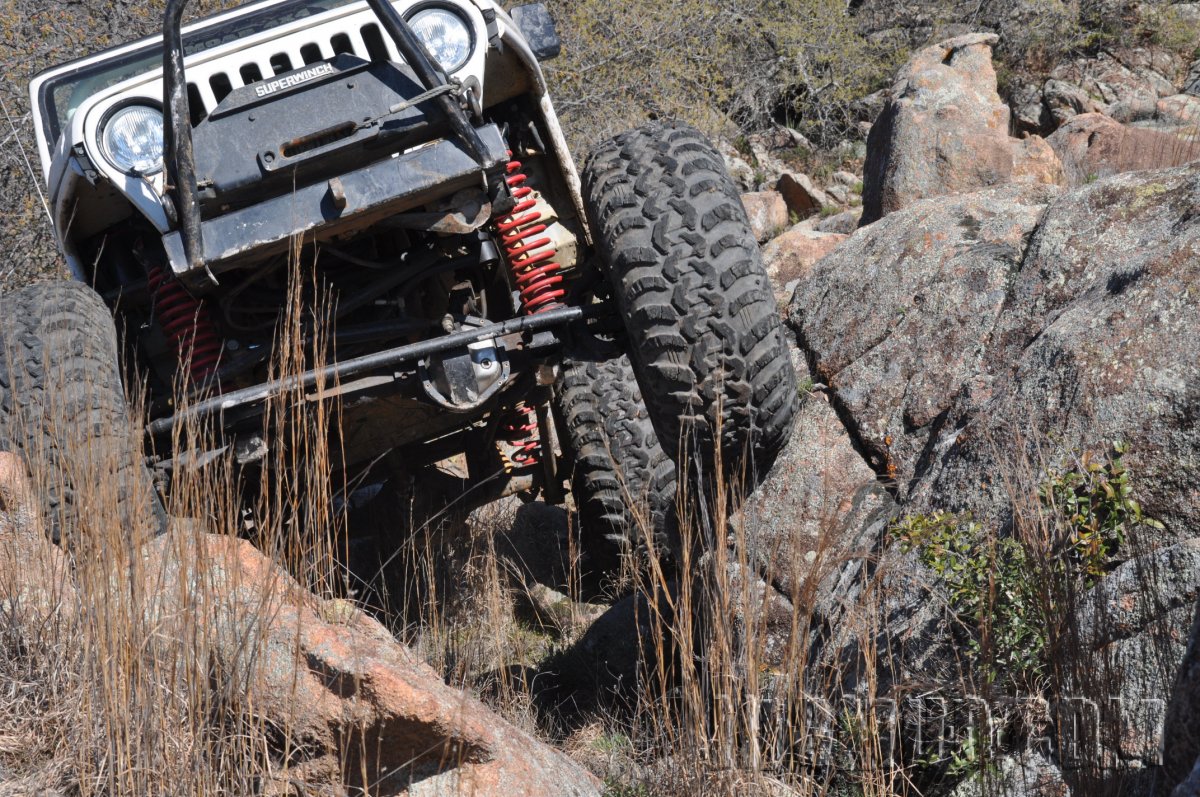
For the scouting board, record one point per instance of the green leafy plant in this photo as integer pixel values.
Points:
(969, 757)
(1093, 506)
(996, 584)
(613, 787)
(742, 144)
(990, 588)
(612, 742)
(799, 156)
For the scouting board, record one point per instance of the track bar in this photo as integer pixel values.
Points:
(372, 362)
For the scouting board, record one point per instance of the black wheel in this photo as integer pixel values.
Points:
(63, 409)
(623, 481)
(706, 338)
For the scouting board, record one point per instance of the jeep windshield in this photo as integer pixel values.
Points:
(60, 96)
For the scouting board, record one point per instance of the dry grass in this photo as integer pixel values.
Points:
(108, 667)
(718, 65)
(107, 685)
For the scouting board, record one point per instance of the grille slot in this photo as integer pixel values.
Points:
(342, 45)
(196, 109)
(220, 85)
(214, 84)
(373, 39)
(280, 62)
(310, 53)
(250, 74)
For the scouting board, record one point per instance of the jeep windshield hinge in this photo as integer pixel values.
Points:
(177, 130)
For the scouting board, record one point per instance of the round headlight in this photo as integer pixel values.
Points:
(445, 35)
(132, 140)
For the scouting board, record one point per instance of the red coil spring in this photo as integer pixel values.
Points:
(531, 258)
(520, 429)
(186, 322)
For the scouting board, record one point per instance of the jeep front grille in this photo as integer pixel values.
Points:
(210, 83)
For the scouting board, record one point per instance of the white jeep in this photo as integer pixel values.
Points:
(477, 297)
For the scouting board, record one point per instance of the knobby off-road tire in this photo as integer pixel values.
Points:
(62, 408)
(623, 481)
(706, 338)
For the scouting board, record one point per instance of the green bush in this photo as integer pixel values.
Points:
(990, 588)
(1170, 28)
(1012, 592)
(1094, 508)
(1038, 35)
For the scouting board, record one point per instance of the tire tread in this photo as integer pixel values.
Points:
(63, 408)
(708, 343)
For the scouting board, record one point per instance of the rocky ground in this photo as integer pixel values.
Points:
(995, 312)
(1004, 311)
(987, 505)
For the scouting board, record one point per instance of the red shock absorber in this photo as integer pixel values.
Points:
(186, 322)
(519, 428)
(529, 253)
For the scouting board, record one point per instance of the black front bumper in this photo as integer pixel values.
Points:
(180, 152)
(353, 200)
